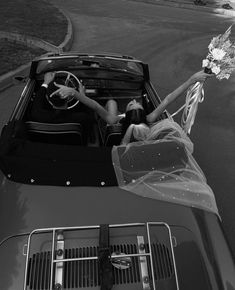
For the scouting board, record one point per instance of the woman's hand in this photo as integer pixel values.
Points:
(200, 76)
(81, 89)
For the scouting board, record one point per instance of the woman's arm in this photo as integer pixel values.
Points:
(127, 137)
(200, 76)
(64, 92)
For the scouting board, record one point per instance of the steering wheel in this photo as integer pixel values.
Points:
(67, 79)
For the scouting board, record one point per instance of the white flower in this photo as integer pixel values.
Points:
(223, 75)
(205, 63)
(215, 69)
(211, 46)
(218, 54)
(226, 76)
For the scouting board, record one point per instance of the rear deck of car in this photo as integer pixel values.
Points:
(34, 207)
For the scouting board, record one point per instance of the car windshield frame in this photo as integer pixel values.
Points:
(89, 62)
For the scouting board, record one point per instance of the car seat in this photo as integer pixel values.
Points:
(62, 133)
(110, 134)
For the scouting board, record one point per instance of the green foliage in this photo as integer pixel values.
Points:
(34, 18)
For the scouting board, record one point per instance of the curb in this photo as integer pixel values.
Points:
(29, 41)
(68, 40)
(6, 80)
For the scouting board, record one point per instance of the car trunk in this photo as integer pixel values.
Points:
(195, 234)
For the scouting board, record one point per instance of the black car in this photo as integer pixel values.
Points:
(227, 6)
(90, 213)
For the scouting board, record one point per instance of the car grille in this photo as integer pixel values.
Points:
(83, 274)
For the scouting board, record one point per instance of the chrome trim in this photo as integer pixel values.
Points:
(143, 264)
(172, 250)
(28, 88)
(52, 259)
(61, 56)
(59, 268)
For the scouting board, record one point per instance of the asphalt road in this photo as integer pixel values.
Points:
(173, 41)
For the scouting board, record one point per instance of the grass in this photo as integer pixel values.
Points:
(15, 55)
(36, 18)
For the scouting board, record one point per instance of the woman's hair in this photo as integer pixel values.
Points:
(135, 116)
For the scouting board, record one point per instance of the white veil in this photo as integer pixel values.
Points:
(162, 167)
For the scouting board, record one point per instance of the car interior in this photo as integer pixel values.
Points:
(72, 133)
(40, 152)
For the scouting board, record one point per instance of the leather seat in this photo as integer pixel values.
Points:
(110, 134)
(62, 133)
(113, 135)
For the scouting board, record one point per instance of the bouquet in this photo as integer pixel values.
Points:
(221, 57)
(219, 61)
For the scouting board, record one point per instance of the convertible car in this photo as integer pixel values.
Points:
(80, 210)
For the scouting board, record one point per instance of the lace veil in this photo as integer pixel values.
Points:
(162, 167)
